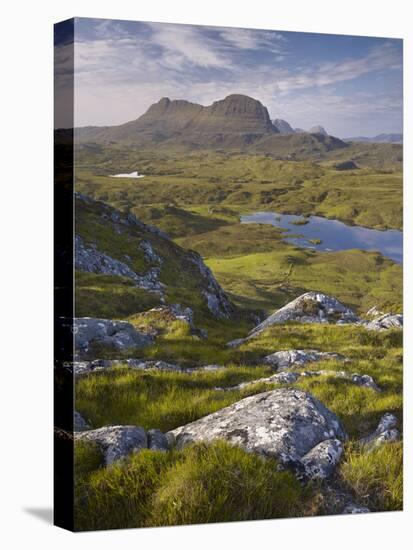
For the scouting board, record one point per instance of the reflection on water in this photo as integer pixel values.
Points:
(334, 235)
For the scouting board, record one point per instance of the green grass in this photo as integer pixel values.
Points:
(370, 196)
(200, 484)
(268, 280)
(110, 297)
(375, 478)
(163, 400)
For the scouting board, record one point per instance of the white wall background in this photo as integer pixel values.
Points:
(26, 271)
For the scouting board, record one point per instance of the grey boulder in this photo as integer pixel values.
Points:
(117, 335)
(116, 442)
(385, 322)
(311, 307)
(282, 360)
(285, 424)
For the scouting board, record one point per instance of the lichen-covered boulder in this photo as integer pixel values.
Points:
(285, 424)
(321, 461)
(117, 335)
(282, 360)
(116, 442)
(311, 307)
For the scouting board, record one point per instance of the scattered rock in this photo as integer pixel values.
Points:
(282, 360)
(385, 322)
(386, 432)
(116, 442)
(311, 307)
(117, 335)
(353, 508)
(287, 377)
(150, 255)
(284, 423)
(79, 423)
(89, 259)
(87, 367)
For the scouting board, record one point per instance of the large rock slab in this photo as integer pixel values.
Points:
(285, 424)
(283, 360)
(98, 365)
(311, 307)
(116, 442)
(118, 335)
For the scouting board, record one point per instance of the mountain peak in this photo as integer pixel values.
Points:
(318, 130)
(283, 126)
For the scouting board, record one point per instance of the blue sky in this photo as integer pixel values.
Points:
(351, 85)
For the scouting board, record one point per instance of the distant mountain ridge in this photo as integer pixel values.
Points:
(286, 129)
(237, 122)
(381, 138)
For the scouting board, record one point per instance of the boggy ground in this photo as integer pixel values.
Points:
(198, 200)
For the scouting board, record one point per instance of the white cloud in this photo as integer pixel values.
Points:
(119, 74)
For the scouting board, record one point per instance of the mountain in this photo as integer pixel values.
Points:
(318, 130)
(283, 127)
(234, 121)
(381, 138)
(237, 122)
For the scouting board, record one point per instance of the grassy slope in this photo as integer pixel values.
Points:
(168, 400)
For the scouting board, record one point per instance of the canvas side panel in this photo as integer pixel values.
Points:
(63, 274)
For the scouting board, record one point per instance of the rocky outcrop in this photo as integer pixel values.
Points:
(286, 377)
(117, 335)
(386, 432)
(91, 260)
(150, 255)
(283, 360)
(384, 322)
(311, 307)
(87, 367)
(216, 299)
(116, 442)
(285, 424)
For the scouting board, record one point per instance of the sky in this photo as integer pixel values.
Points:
(351, 85)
